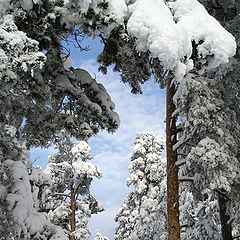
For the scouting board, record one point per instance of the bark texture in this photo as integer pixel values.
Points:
(172, 170)
(73, 218)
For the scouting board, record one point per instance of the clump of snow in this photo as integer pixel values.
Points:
(119, 9)
(215, 44)
(86, 169)
(169, 35)
(81, 150)
(153, 27)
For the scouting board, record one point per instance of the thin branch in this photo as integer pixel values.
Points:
(190, 144)
(61, 194)
(59, 107)
(75, 193)
(184, 225)
(35, 160)
(180, 143)
(178, 130)
(76, 34)
(230, 221)
(186, 179)
(102, 38)
(67, 54)
(180, 162)
(176, 112)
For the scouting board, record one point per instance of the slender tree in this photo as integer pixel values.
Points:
(71, 203)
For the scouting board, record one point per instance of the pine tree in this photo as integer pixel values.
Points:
(210, 151)
(71, 203)
(20, 218)
(143, 213)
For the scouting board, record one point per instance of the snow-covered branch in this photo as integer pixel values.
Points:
(180, 162)
(186, 179)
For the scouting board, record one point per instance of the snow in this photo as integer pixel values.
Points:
(169, 35)
(81, 149)
(83, 76)
(26, 4)
(119, 9)
(3, 192)
(99, 236)
(86, 169)
(153, 27)
(4, 6)
(200, 26)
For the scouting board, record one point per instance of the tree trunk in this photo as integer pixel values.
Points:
(172, 170)
(73, 218)
(224, 217)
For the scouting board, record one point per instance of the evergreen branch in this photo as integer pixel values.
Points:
(182, 154)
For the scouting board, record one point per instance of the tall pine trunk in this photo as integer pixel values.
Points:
(172, 170)
(73, 217)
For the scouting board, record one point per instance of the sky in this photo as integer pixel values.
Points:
(112, 152)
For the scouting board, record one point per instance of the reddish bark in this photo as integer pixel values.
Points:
(73, 217)
(172, 170)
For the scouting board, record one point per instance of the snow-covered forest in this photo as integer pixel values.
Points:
(190, 48)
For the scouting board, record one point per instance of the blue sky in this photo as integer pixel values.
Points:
(112, 152)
